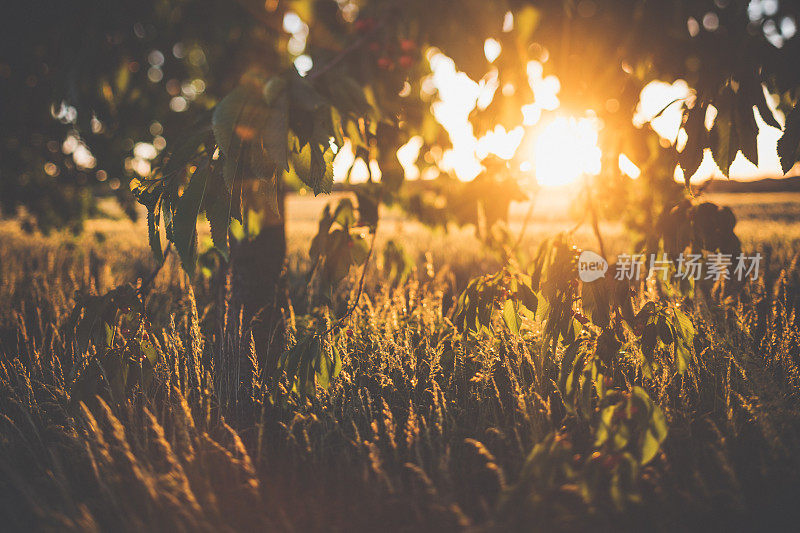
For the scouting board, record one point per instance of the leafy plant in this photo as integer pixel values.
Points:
(337, 246)
(396, 262)
(663, 325)
(124, 351)
(507, 292)
(313, 361)
(635, 424)
(260, 131)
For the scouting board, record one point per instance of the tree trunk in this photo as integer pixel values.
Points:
(254, 330)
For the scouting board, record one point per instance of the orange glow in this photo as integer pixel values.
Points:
(565, 150)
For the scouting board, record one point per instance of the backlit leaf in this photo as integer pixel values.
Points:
(724, 135)
(789, 143)
(511, 316)
(185, 219)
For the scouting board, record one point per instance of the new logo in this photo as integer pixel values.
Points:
(591, 266)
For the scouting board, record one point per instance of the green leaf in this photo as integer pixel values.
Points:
(665, 332)
(511, 316)
(359, 249)
(218, 211)
(685, 332)
(116, 370)
(250, 133)
(268, 187)
(320, 240)
(149, 351)
(347, 95)
(344, 214)
(789, 143)
(225, 120)
(166, 211)
(303, 95)
(337, 256)
(368, 196)
(603, 431)
(596, 301)
(486, 302)
(644, 314)
(301, 364)
(649, 338)
(338, 130)
(313, 165)
(747, 128)
(724, 135)
(93, 309)
(655, 432)
(566, 368)
(327, 366)
(692, 155)
(607, 346)
(185, 218)
(108, 334)
(273, 137)
(755, 94)
(685, 324)
(86, 385)
(527, 297)
(183, 154)
(153, 233)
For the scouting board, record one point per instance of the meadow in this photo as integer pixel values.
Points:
(424, 428)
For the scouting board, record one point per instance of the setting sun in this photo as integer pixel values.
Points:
(566, 149)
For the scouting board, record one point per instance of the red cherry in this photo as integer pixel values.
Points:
(407, 45)
(365, 24)
(406, 61)
(385, 63)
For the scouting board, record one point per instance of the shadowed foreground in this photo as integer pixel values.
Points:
(422, 429)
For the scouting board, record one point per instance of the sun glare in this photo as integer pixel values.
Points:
(565, 150)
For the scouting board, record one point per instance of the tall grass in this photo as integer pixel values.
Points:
(423, 429)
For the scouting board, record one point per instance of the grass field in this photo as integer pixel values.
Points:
(424, 429)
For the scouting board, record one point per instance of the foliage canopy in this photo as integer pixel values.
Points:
(215, 84)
